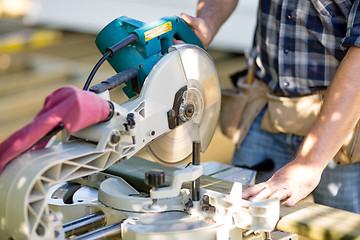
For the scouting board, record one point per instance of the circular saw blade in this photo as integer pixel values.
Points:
(203, 92)
(174, 146)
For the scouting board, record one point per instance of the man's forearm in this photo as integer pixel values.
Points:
(215, 12)
(338, 116)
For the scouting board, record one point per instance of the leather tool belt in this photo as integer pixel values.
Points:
(296, 115)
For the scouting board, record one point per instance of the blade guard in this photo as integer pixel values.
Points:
(154, 41)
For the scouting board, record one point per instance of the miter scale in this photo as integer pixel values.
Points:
(174, 101)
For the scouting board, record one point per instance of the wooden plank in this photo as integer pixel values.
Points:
(317, 221)
(306, 219)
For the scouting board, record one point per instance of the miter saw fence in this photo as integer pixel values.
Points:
(60, 192)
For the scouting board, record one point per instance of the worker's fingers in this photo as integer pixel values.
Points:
(296, 197)
(191, 21)
(252, 191)
(292, 201)
(200, 28)
(263, 194)
(262, 191)
(281, 194)
(177, 41)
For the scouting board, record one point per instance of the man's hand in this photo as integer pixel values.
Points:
(291, 183)
(211, 14)
(200, 28)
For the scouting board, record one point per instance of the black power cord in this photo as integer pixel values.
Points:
(109, 53)
(94, 70)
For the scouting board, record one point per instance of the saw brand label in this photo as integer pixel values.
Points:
(153, 33)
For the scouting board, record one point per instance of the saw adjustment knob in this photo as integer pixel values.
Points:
(155, 178)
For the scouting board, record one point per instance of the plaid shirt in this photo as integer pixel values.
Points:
(299, 44)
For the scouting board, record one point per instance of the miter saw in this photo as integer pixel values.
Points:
(62, 192)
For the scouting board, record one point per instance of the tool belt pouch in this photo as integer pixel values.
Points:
(240, 106)
(293, 115)
(296, 115)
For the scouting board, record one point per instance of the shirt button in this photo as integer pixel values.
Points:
(288, 17)
(286, 84)
(286, 51)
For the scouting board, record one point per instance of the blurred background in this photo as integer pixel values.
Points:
(46, 44)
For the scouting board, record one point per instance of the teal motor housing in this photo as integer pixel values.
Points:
(155, 38)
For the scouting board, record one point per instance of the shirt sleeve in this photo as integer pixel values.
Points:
(353, 27)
